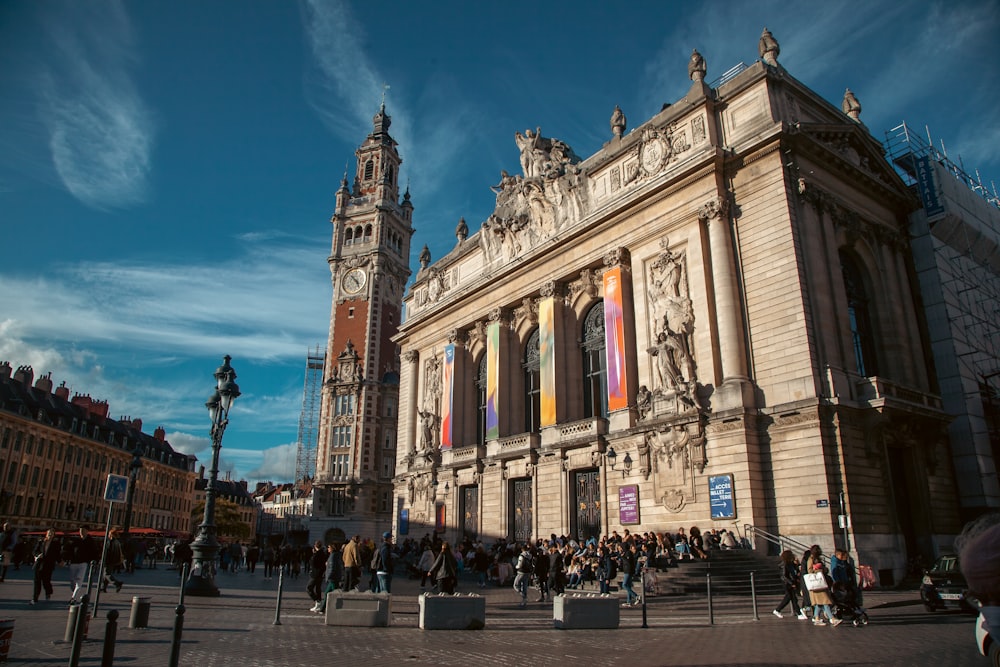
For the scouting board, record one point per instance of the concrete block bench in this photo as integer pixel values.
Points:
(363, 610)
(585, 612)
(452, 612)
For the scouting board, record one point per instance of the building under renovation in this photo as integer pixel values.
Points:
(714, 320)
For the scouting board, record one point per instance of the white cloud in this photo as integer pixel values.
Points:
(275, 464)
(100, 132)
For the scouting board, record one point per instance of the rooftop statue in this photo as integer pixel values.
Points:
(768, 48)
(696, 67)
(851, 106)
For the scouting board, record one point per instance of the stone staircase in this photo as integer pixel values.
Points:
(730, 570)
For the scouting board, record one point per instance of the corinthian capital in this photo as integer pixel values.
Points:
(714, 208)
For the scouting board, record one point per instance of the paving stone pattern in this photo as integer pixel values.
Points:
(238, 630)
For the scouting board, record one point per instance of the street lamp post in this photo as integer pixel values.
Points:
(130, 494)
(205, 546)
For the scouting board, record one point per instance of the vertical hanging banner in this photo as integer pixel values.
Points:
(492, 380)
(614, 335)
(448, 395)
(547, 361)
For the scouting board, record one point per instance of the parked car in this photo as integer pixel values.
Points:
(944, 586)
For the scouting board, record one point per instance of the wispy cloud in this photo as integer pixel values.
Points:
(100, 132)
(348, 89)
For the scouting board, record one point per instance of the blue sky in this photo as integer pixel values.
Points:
(168, 168)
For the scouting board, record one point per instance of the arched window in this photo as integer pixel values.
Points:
(481, 402)
(862, 332)
(369, 170)
(532, 385)
(595, 374)
(368, 233)
(388, 174)
(348, 236)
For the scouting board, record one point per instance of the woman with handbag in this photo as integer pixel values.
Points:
(790, 579)
(818, 582)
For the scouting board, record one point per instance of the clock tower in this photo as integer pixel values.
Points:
(369, 267)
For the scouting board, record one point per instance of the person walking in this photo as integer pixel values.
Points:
(253, 555)
(524, 568)
(8, 540)
(630, 560)
(80, 552)
(352, 564)
(48, 554)
(820, 597)
(424, 565)
(114, 559)
(334, 573)
(445, 570)
(382, 564)
(541, 576)
(317, 573)
(790, 580)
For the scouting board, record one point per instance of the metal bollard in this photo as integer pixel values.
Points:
(753, 596)
(82, 619)
(139, 614)
(184, 576)
(642, 579)
(281, 586)
(708, 584)
(110, 634)
(175, 644)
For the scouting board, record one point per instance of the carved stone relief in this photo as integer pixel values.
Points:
(672, 456)
(673, 325)
(552, 193)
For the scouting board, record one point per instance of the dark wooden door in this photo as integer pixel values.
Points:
(520, 509)
(470, 512)
(587, 499)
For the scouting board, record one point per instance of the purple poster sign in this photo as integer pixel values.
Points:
(628, 504)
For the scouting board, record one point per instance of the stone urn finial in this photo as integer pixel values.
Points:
(696, 67)
(618, 122)
(851, 106)
(768, 48)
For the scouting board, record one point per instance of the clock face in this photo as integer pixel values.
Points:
(354, 281)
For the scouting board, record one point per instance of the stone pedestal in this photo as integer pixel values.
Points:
(585, 612)
(452, 612)
(364, 610)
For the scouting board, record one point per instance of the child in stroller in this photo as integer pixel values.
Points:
(847, 596)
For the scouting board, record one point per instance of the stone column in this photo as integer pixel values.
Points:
(728, 308)
(620, 342)
(407, 423)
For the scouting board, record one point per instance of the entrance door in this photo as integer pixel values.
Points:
(587, 500)
(470, 512)
(520, 509)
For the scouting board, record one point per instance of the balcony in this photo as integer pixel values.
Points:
(513, 446)
(574, 433)
(877, 391)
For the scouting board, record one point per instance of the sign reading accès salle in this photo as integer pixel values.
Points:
(628, 504)
(720, 497)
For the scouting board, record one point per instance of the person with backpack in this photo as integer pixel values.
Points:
(381, 565)
(524, 568)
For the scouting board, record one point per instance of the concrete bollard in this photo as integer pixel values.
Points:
(585, 612)
(452, 612)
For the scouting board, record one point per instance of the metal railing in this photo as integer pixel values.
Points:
(782, 541)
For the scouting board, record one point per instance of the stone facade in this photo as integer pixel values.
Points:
(721, 296)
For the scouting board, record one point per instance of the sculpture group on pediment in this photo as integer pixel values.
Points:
(532, 208)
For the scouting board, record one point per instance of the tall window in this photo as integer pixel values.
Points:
(481, 402)
(369, 170)
(532, 385)
(344, 404)
(340, 436)
(862, 333)
(595, 373)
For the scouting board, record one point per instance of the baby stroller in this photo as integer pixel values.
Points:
(847, 605)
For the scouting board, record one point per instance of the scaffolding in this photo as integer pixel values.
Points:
(305, 458)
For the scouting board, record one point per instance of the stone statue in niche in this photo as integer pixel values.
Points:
(673, 326)
(643, 402)
(533, 207)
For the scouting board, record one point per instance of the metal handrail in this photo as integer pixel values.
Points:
(781, 541)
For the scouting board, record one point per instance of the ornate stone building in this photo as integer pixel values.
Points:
(56, 453)
(710, 321)
(356, 452)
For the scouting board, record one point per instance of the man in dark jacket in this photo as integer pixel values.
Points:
(80, 552)
(557, 570)
(542, 573)
(382, 564)
(630, 559)
(317, 572)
